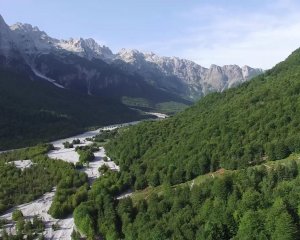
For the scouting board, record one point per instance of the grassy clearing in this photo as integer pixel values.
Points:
(159, 190)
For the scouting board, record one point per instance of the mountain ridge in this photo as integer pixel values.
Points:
(183, 77)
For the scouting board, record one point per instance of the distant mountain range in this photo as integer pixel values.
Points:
(85, 66)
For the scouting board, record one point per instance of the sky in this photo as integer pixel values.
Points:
(258, 33)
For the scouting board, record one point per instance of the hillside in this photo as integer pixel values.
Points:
(255, 203)
(208, 172)
(240, 127)
(259, 202)
(37, 111)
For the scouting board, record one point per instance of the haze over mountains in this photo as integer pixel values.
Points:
(86, 66)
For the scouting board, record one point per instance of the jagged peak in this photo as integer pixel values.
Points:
(231, 66)
(3, 26)
(128, 51)
(25, 27)
(2, 20)
(214, 66)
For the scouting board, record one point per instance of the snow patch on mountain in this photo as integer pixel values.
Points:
(38, 74)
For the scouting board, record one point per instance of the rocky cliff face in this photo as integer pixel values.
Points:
(183, 76)
(32, 41)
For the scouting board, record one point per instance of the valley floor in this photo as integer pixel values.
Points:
(41, 206)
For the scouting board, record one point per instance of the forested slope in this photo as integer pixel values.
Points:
(260, 120)
(238, 133)
(259, 202)
(37, 111)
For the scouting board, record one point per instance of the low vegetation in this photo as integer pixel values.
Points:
(25, 228)
(20, 186)
(68, 145)
(105, 135)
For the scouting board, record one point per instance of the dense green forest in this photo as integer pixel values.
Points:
(37, 111)
(70, 192)
(243, 126)
(19, 186)
(260, 202)
(210, 171)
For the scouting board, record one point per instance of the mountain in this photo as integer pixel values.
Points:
(32, 110)
(86, 66)
(78, 65)
(37, 111)
(182, 76)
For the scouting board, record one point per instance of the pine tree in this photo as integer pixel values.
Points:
(250, 227)
(285, 229)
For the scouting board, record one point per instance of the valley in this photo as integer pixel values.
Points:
(40, 207)
(122, 143)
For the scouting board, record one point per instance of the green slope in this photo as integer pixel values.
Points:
(258, 202)
(243, 126)
(37, 111)
(160, 190)
(169, 161)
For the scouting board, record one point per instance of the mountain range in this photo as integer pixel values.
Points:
(86, 66)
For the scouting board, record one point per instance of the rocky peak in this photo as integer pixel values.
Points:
(216, 78)
(24, 27)
(7, 44)
(95, 50)
(2, 22)
(249, 72)
(88, 48)
(31, 40)
(130, 55)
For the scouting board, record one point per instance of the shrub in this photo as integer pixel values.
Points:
(17, 214)
(68, 145)
(76, 141)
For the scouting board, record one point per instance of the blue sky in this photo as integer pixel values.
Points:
(256, 33)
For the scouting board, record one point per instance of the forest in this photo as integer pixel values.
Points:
(238, 128)
(260, 202)
(213, 171)
(19, 186)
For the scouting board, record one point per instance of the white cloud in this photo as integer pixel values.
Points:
(220, 35)
(260, 39)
